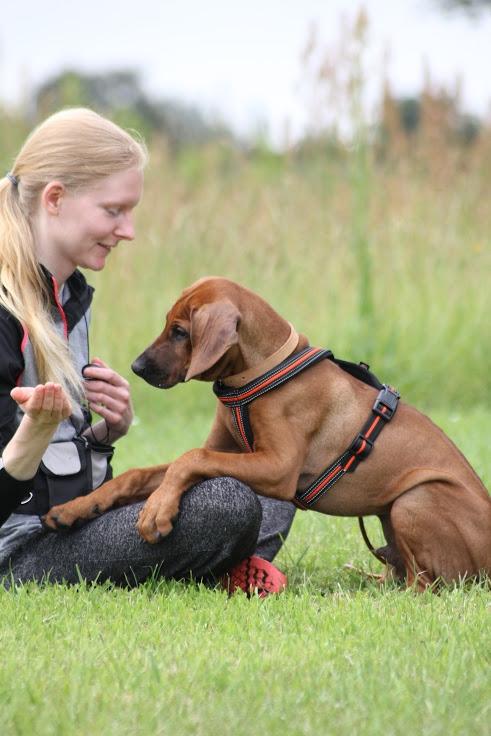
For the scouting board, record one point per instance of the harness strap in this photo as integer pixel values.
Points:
(237, 399)
(383, 410)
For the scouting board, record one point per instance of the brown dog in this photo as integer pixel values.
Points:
(435, 512)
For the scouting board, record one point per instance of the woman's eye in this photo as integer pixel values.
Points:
(179, 332)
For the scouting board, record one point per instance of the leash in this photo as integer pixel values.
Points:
(237, 397)
(370, 546)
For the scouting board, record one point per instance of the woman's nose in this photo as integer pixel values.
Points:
(125, 229)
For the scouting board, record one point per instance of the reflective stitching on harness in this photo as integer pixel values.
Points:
(273, 378)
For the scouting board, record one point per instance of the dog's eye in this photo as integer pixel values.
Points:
(179, 333)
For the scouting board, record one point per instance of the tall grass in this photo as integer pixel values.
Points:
(285, 229)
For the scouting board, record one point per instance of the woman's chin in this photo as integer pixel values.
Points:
(95, 264)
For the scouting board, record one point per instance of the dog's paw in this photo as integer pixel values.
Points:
(69, 515)
(151, 530)
(155, 521)
(59, 519)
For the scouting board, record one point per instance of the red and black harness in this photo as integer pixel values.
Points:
(384, 408)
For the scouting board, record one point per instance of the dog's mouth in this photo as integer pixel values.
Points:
(160, 382)
(168, 383)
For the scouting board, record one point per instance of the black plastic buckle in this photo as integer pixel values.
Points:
(355, 447)
(387, 399)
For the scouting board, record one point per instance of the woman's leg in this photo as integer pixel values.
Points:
(275, 525)
(217, 527)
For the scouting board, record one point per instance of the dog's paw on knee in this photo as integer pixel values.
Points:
(156, 533)
(151, 537)
(163, 530)
(54, 523)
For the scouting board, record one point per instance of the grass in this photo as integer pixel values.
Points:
(165, 659)
(336, 654)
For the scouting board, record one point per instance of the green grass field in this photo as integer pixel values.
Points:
(170, 659)
(397, 276)
(336, 654)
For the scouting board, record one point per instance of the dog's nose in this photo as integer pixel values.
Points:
(138, 366)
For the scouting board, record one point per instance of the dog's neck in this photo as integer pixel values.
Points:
(249, 374)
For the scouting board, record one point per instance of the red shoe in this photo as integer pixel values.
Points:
(254, 574)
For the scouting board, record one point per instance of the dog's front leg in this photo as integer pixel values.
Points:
(134, 485)
(269, 473)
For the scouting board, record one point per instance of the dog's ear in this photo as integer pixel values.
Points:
(213, 332)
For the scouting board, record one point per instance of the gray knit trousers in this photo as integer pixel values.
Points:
(221, 521)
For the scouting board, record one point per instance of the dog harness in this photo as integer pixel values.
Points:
(384, 408)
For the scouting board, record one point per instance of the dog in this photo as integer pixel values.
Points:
(434, 510)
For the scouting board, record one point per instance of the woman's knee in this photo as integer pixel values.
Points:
(224, 507)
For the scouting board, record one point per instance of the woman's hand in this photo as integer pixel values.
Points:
(108, 394)
(46, 405)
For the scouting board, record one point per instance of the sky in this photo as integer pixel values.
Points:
(241, 61)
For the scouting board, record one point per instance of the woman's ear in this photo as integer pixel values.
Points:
(51, 197)
(213, 332)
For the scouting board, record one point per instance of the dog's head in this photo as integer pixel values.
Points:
(199, 337)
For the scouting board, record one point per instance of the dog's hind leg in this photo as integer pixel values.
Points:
(389, 553)
(443, 533)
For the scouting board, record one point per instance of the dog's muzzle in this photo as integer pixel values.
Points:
(152, 373)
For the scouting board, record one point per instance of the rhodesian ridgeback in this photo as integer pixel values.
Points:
(435, 511)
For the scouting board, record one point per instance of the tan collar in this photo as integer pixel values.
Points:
(240, 379)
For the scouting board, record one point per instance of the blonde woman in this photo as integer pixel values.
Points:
(66, 203)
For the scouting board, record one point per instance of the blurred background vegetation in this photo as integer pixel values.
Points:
(371, 235)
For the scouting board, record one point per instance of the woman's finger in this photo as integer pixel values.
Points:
(34, 404)
(119, 392)
(48, 398)
(114, 419)
(66, 408)
(57, 400)
(21, 394)
(99, 371)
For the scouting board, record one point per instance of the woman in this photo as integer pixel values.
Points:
(67, 202)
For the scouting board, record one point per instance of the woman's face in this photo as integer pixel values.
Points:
(82, 228)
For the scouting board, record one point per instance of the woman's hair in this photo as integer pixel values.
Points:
(76, 147)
